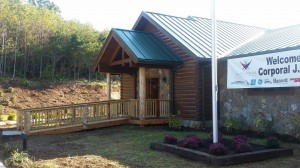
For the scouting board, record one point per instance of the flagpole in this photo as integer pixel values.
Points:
(214, 73)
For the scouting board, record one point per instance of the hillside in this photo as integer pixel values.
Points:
(14, 96)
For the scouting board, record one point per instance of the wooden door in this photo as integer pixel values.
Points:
(152, 92)
(152, 88)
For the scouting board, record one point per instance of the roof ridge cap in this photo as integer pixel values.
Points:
(242, 44)
(187, 18)
(281, 28)
(231, 23)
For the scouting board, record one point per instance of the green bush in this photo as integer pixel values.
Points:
(13, 99)
(10, 89)
(19, 159)
(5, 103)
(6, 150)
(264, 125)
(175, 122)
(12, 116)
(237, 123)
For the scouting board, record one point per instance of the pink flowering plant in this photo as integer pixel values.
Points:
(170, 139)
(218, 149)
(243, 147)
(238, 139)
(192, 143)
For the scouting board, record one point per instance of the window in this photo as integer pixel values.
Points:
(270, 91)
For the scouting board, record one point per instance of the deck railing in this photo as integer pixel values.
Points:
(85, 113)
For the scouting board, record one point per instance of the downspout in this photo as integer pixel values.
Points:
(203, 95)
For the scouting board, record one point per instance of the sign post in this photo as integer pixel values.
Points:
(214, 74)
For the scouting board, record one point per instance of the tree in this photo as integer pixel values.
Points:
(35, 42)
(45, 4)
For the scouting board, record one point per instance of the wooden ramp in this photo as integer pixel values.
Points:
(78, 117)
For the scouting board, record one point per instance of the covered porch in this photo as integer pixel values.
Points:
(144, 64)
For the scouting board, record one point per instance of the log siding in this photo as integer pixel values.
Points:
(127, 86)
(187, 81)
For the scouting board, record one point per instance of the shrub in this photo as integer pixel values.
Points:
(12, 116)
(218, 149)
(170, 139)
(19, 159)
(272, 142)
(265, 125)
(6, 103)
(235, 122)
(1, 93)
(220, 137)
(238, 139)
(13, 99)
(243, 147)
(10, 89)
(192, 143)
(6, 150)
(175, 122)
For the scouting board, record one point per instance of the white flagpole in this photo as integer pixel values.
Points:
(214, 73)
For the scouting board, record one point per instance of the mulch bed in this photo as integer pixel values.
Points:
(259, 153)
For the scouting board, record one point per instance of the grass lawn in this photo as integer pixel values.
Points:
(123, 146)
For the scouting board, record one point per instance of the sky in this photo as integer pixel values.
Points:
(107, 14)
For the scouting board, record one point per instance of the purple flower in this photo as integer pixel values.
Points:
(218, 149)
(192, 143)
(170, 139)
(238, 139)
(244, 147)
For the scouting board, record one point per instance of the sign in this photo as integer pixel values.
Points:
(281, 69)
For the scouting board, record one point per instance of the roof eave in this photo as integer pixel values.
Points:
(108, 39)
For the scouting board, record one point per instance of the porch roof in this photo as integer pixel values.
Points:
(146, 47)
(128, 49)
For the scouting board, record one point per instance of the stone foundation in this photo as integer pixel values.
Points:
(196, 124)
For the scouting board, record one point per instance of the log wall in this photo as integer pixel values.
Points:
(127, 86)
(188, 81)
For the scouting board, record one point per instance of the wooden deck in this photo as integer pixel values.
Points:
(78, 117)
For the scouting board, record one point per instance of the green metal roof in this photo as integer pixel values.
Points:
(146, 47)
(194, 33)
(271, 41)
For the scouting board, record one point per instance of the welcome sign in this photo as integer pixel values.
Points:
(280, 69)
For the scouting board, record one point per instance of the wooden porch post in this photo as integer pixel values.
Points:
(142, 92)
(108, 86)
(27, 122)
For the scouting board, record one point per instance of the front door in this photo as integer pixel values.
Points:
(152, 88)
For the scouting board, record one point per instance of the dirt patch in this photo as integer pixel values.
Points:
(35, 97)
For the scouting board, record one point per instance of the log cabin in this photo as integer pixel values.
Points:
(165, 61)
(164, 64)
